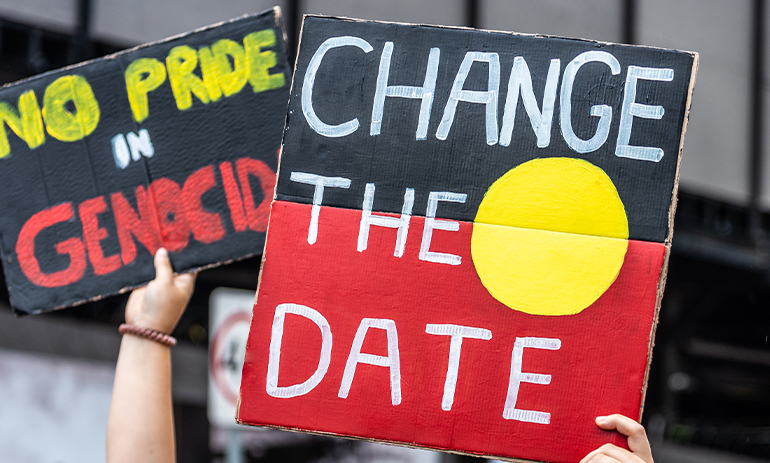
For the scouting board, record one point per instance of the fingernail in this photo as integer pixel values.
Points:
(162, 252)
(601, 419)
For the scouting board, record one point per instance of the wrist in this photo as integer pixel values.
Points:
(151, 324)
(147, 334)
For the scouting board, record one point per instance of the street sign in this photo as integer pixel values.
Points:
(229, 318)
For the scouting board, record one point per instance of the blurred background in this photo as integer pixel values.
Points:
(708, 398)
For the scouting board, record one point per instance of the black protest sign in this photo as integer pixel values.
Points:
(402, 113)
(171, 144)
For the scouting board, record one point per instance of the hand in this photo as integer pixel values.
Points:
(159, 305)
(637, 442)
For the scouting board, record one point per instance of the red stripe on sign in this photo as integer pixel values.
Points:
(515, 371)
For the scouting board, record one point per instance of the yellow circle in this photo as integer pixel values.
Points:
(550, 236)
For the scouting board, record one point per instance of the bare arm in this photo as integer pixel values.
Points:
(141, 422)
(637, 442)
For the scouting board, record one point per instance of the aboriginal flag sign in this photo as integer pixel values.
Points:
(172, 144)
(468, 242)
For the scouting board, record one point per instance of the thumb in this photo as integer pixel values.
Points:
(163, 270)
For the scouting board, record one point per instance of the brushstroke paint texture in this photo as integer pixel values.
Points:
(168, 144)
(591, 375)
(464, 282)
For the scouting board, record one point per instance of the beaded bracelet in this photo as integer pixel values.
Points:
(147, 333)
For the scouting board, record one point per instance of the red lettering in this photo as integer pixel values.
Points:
(25, 249)
(206, 226)
(93, 234)
(174, 229)
(234, 201)
(165, 215)
(257, 216)
(142, 225)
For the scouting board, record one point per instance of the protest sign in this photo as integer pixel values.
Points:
(468, 243)
(171, 144)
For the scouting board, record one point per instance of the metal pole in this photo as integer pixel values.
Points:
(82, 43)
(293, 24)
(629, 21)
(472, 13)
(234, 449)
(757, 113)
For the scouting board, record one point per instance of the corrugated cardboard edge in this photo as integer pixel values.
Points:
(493, 31)
(20, 314)
(276, 10)
(671, 212)
(278, 15)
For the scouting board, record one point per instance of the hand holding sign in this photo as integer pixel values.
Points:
(159, 305)
(638, 445)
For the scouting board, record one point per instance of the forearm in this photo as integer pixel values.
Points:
(141, 425)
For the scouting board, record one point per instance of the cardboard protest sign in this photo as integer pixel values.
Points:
(170, 144)
(468, 242)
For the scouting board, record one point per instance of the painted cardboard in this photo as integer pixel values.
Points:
(432, 278)
(173, 143)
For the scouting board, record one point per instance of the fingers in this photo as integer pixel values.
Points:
(159, 305)
(611, 453)
(185, 282)
(136, 296)
(637, 437)
(595, 457)
(138, 293)
(163, 270)
(623, 424)
(185, 279)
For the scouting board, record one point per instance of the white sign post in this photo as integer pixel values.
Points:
(229, 319)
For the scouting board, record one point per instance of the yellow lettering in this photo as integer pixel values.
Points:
(210, 73)
(143, 76)
(181, 62)
(62, 123)
(26, 123)
(231, 78)
(261, 61)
